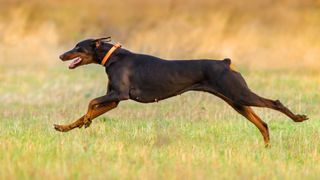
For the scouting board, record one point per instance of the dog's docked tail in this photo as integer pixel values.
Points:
(228, 62)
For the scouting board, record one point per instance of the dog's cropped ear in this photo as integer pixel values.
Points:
(99, 41)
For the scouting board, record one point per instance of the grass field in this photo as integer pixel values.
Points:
(192, 136)
(274, 44)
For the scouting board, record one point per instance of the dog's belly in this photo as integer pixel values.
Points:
(150, 95)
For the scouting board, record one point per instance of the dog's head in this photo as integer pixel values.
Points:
(84, 52)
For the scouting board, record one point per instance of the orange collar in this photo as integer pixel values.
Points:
(109, 53)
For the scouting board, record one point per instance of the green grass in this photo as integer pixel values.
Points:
(193, 136)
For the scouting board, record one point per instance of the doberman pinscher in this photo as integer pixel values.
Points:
(148, 79)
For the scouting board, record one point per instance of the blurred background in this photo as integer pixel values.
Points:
(268, 34)
(275, 44)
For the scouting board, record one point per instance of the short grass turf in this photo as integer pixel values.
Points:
(192, 136)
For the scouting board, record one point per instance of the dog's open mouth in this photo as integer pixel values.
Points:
(76, 62)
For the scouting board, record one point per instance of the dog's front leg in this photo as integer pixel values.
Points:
(103, 101)
(96, 107)
(68, 127)
(81, 121)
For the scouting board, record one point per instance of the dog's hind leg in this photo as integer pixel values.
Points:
(248, 113)
(252, 117)
(277, 105)
(251, 99)
(233, 86)
(93, 114)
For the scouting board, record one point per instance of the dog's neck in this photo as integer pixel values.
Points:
(103, 49)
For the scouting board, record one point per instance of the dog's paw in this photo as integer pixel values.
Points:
(86, 122)
(267, 145)
(61, 128)
(300, 118)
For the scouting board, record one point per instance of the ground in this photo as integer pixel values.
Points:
(192, 136)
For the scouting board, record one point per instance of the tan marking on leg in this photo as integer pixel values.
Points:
(262, 126)
(81, 121)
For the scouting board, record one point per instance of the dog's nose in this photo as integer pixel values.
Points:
(61, 57)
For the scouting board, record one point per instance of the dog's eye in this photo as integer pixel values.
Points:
(80, 49)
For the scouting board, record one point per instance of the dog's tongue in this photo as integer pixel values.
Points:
(75, 63)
